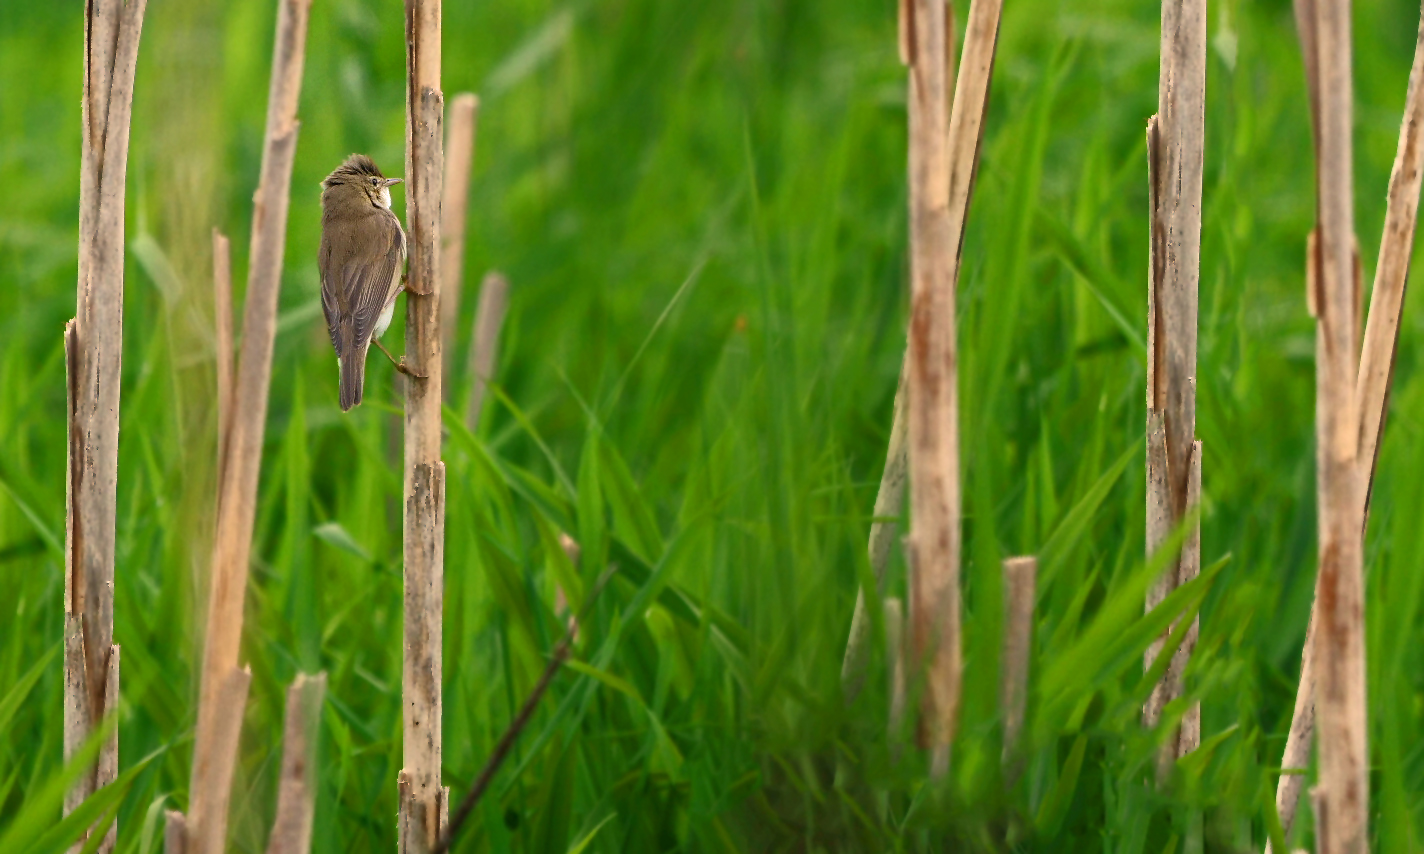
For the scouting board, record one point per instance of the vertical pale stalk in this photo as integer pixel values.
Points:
(222, 323)
(459, 153)
(1176, 156)
(94, 357)
(214, 746)
(895, 666)
(420, 791)
(1372, 383)
(943, 158)
(1020, 585)
(1339, 631)
(484, 342)
(296, 792)
(889, 502)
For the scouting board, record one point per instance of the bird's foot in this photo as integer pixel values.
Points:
(400, 364)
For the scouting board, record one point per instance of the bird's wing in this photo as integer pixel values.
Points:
(370, 272)
(330, 299)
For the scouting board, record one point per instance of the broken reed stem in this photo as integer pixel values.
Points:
(207, 816)
(1176, 156)
(459, 153)
(424, 523)
(175, 832)
(484, 342)
(94, 357)
(242, 457)
(889, 502)
(222, 321)
(1339, 635)
(944, 152)
(1372, 383)
(1020, 585)
(296, 791)
(1392, 271)
(561, 653)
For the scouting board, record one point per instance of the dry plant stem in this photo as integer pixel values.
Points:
(1188, 568)
(459, 152)
(895, 655)
(296, 793)
(484, 342)
(526, 713)
(1176, 152)
(1392, 271)
(424, 522)
(237, 481)
(1339, 631)
(889, 502)
(1020, 584)
(175, 832)
(1371, 386)
(222, 321)
(942, 168)
(94, 356)
(207, 819)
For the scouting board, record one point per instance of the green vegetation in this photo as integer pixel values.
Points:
(701, 209)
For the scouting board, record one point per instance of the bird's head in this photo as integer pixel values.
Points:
(358, 180)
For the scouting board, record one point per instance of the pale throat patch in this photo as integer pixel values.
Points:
(386, 198)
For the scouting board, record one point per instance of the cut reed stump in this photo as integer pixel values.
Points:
(93, 344)
(1372, 383)
(223, 689)
(944, 150)
(1020, 586)
(1176, 154)
(484, 342)
(459, 153)
(296, 792)
(422, 798)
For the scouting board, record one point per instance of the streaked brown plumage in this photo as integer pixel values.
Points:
(361, 257)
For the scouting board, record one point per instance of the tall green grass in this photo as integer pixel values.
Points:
(701, 209)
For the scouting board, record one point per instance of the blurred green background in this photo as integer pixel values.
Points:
(701, 210)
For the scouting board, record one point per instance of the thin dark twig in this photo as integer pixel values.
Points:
(521, 720)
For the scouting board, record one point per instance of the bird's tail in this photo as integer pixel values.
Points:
(353, 376)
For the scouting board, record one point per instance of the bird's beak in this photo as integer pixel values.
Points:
(390, 181)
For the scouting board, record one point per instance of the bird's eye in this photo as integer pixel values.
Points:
(375, 182)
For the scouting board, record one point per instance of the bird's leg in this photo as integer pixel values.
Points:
(399, 363)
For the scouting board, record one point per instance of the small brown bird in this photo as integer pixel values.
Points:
(361, 257)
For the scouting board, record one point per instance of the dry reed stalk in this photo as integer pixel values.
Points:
(296, 793)
(424, 528)
(175, 832)
(944, 152)
(1339, 630)
(1392, 271)
(94, 356)
(1371, 386)
(1176, 156)
(484, 341)
(207, 816)
(222, 321)
(1020, 585)
(242, 456)
(459, 153)
(894, 612)
(889, 502)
